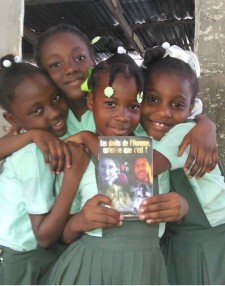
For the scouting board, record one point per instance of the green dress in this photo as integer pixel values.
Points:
(194, 251)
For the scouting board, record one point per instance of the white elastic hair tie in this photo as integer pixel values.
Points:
(121, 50)
(7, 63)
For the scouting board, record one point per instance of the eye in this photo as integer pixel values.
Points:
(56, 98)
(79, 58)
(36, 111)
(178, 105)
(110, 103)
(151, 99)
(55, 65)
(134, 107)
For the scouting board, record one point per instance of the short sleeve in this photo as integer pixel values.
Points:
(169, 145)
(36, 180)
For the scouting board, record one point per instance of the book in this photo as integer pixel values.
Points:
(125, 171)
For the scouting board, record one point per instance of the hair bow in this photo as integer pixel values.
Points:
(186, 56)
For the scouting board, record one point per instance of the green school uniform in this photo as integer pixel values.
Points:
(194, 247)
(26, 187)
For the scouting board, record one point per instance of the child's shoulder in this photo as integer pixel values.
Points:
(26, 155)
(183, 127)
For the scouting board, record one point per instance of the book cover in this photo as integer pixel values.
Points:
(125, 171)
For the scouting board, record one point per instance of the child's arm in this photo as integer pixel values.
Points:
(92, 216)
(48, 227)
(87, 138)
(203, 147)
(56, 152)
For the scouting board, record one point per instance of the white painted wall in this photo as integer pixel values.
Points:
(210, 47)
(11, 31)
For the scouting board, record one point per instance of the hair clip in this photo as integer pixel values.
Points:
(140, 97)
(186, 56)
(6, 63)
(95, 40)
(121, 50)
(84, 86)
(108, 91)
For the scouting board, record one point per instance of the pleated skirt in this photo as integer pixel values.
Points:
(26, 267)
(117, 258)
(196, 257)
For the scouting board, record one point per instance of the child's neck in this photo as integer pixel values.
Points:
(78, 107)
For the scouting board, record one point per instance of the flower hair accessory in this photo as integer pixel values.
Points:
(84, 86)
(186, 56)
(140, 97)
(108, 91)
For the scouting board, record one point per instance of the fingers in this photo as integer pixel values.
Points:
(214, 159)
(199, 163)
(163, 208)
(191, 158)
(99, 216)
(183, 145)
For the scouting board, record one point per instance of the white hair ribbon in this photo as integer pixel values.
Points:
(186, 56)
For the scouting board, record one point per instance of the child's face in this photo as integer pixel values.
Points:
(66, 58)
(167, 102)
(119, 114)
(37, 105)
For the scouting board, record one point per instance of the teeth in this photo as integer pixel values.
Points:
(159, 124)
(57, 124)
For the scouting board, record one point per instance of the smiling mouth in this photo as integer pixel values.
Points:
(160, 125)
(59, 125)
(120, 130)
(74, 83)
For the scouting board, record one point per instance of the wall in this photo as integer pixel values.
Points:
(11, 31)
(210, 47)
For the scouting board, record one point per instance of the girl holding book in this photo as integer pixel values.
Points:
(129, 253)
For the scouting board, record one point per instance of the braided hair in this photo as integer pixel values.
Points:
(117, 64)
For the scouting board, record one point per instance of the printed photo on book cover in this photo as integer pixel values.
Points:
(124, 172)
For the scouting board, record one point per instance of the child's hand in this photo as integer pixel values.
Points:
(93, 215)
(80, 159)
(11, 130)
(167, 207)
(77, 138)
(88, 138)
(203, 152)
(56, 152)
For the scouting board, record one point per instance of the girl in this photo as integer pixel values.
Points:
(129, 254)
(195, 249)
(31, 217)
(65, 54)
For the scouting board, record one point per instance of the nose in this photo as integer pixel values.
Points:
(70, 67)
(53, 112)
(164, 110)
(122, 115)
